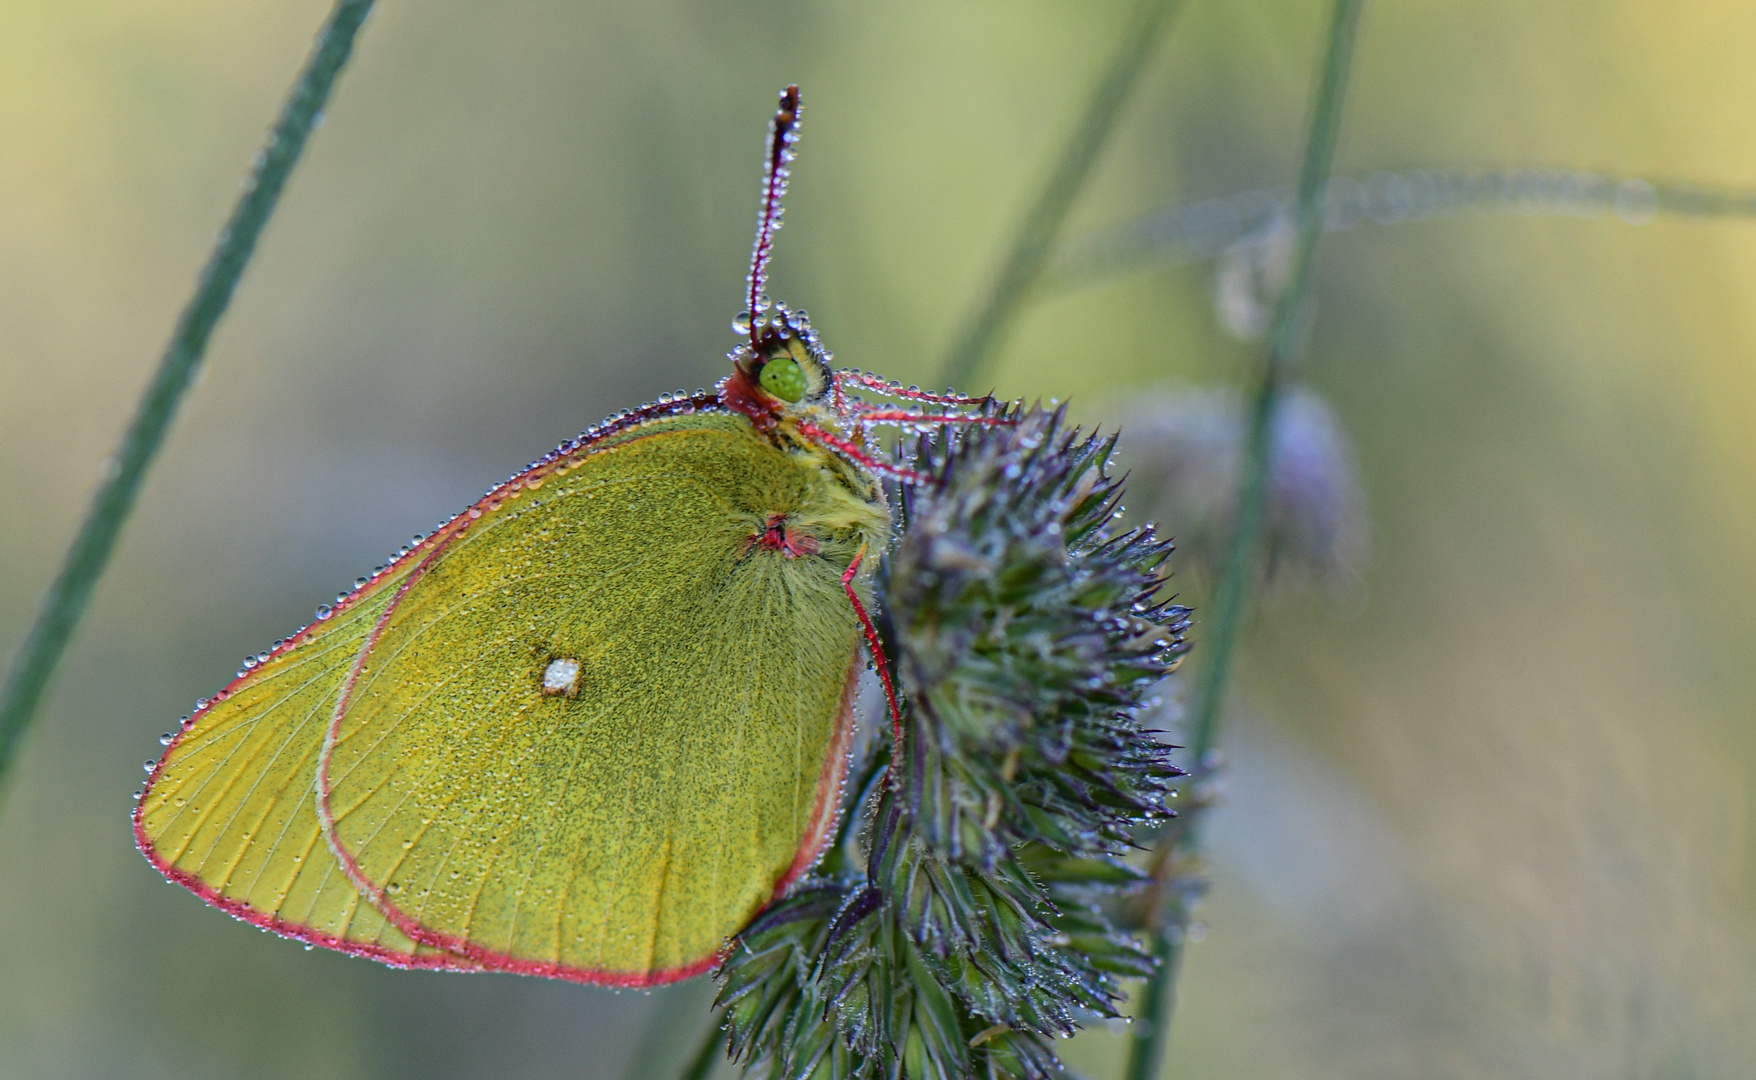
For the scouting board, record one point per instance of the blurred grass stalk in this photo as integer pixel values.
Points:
(1035, 239)
(119, 486)
(1285, 341)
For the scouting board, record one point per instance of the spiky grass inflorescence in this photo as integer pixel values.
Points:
(962, 922)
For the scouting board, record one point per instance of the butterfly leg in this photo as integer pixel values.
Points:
(903, 416)
(859, 456)
(876, 647)
(896, 389)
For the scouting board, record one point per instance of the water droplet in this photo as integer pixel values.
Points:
(165, 739)
(324, 611)
(150, 765)
(361, 583)
(741, 323)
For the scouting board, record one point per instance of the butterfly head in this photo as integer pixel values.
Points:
(779, 370)
(783, 359)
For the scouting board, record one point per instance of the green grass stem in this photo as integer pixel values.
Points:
(27, 678)
(1228, 603)
(1035, 239)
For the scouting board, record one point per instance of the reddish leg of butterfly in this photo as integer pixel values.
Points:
(847, 584)
(903, 416)
(873, 382)
(854, 453)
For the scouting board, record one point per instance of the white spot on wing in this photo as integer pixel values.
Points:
(561, 677)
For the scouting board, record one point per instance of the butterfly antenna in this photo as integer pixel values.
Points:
(783, 132)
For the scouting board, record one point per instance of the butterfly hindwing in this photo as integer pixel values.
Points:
(229, 811)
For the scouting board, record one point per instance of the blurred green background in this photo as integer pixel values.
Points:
(1490, 817)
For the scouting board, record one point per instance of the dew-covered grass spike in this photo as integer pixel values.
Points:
(964, 921)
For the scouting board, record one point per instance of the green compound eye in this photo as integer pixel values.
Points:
(783, 378)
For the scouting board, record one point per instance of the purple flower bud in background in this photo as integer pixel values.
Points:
(1185, 445)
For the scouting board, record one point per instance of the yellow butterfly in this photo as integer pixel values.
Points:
(592, 724)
